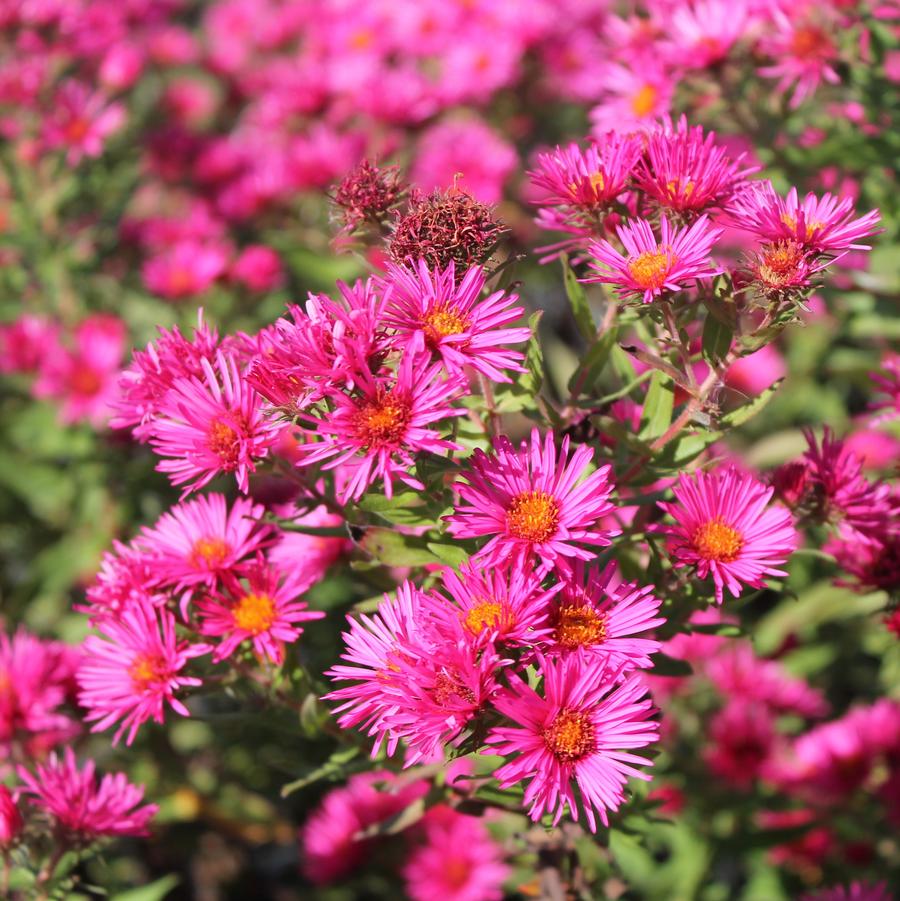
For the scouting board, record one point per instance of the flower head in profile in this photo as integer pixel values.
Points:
(651, 266)
(870, 559)
(599, 614)
(260, 607)
(456, 324)
(373, 432)
(197, 540)
(579, 731)
(820, 225)
(210, 426)
(455, 860)
(131, 673)
(533, 501)
(85, 809)
(726, 529)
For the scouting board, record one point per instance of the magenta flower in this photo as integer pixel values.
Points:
(532, 503)
(212, 425)
(132, 672)
(505, 605)
(198, 540)
(11, 821)
(455, 323)
(634, 98)
(820, 225)
(650, 266)
(703, 32)
(185, 269)
(579, 733)
(742, 739)
(81, 121)
(82, 807)
(855, 891)
(259, 608)
(685, 172)
(598, 613)
(125, 577)
(725, 529)
(457, 860)
(375, 432)
(887, 380)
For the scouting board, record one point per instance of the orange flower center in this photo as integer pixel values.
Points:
(717, 541)
(680, 187)
(533, 516)
(780, 262)
(809, 228)
(254, 613)
(644, 100)
(810, 43)
(570, 736)
(147, 670)
(224, 442)
(650, 268)
(441, 320)
(210, 552)
(579, 625)
(448, 687)
(77, 129)
(483, 616)
(383, 420)
(86, 381)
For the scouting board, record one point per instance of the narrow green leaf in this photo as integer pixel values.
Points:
(748, 410)
(716, 340)
(594, 362)
(378, 503)
(657, 413)
(155, 891)
(332, 768)
(663, 665)
(393, 549)
(533, 378)
(451, 554)
(578, 299)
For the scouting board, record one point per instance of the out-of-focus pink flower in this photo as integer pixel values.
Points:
(468, 147)
(742, 738)
(752, 374)
(258, 268)
(81, 121)
(27, 342)
(10, 819)
(887, 378)
(875, 449)
(702, 32)
(855, 891)
(121, 66)
(185, 269)
(635, 98)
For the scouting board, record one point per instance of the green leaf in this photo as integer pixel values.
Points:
(333, 768)
(747, 411)
(578, 299)
(657, 413)
(716, 340)
(533, 378)
(393, 549)
(663, 665)
(594, 361)
(378, 503)
(452, 554)
(155, 891)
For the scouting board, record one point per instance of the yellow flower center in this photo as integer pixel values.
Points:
(650, 268)
(809, 228)
(715, 540)
(209, 552)
(644, 100)
(779, 263)
(224, 442)
(483, 616)
(254, 613)
(533, 516)
(442, 320)
(570, 736)
(579, 625)
(383, 420)
(449, 687)
(147, 670)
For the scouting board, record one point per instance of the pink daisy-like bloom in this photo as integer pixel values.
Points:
(82, 808)
(687, 172)
(455, 323)
(784, 268)
(375, 432)
(580, 731)
(212, 425)
(820, 225)
(504, 605)
(132, 672)
(531, 501)
(703, 32)
(888, 381)
(27, 342)
(330, 843)
(635, 98)
(457, 860)
(742, 738)
(125, 577)
(81, 121)
(725, 529)
(185, 269)
(600, 614)
(374, 646)
(198, 540)
(259, 608)
(650, 266)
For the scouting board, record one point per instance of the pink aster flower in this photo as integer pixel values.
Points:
(258, 268)
(456, 860)
(84, 378)
(871, 560)
(81, 121)
(27, 342)
(260, 607)
(11, 821)
(532, 503)
(198, 540)
(132, 672)
(186, 269)
(821, 225)
(125, 577)
(725, 529)
(82, 808)
(600, 614)
(211, 425)
(703, 32)
(742, 738)
(581, 731)
(455, 323)
(374, 432)
(855, 891)
(784, 268)
(887, 380)
(505, 605)
(686, 172)
(634, 98)
(650, 266)
(330, 838)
